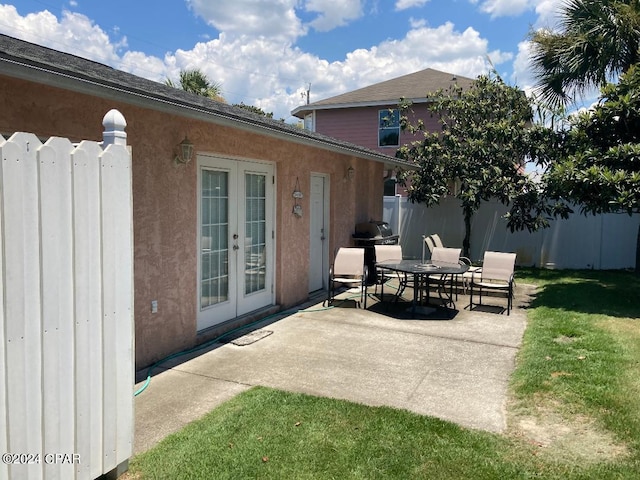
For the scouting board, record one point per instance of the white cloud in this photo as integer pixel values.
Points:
(272, 19)
(441, 48)
(272, 76)
(405, 4)
(417, 22)
(145, 66)
(266, 71)
(547, 11)
(333, 13)
(276, 18)
(501, 8)
(73, 33)
(522, 72)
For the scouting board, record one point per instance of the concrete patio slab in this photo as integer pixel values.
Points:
(456, 369)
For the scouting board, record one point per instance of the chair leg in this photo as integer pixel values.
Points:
(510, 294)
(364, 291)
(401, 287)
(375, 284)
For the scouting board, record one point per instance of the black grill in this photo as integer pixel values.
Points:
(369, 234)
(373, 230)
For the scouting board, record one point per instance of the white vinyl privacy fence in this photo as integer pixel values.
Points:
(592, 242)
(66, 333)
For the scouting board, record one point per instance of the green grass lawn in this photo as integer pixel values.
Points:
(574, 411)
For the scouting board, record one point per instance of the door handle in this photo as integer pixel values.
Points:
(236, 247)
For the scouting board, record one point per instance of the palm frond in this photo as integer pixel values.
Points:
(597, 41)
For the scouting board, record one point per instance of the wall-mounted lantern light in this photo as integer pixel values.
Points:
(185, 151)
(351, 172)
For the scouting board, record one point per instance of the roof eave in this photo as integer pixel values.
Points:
(303, 110)
(40, 74)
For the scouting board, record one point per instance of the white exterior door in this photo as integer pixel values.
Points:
(318, 243)
(235, 239)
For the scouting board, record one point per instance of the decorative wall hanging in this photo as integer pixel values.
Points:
(297, 195)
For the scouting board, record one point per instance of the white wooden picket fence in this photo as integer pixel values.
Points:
(66, 296)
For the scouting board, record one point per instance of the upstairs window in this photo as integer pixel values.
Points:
(389, 127)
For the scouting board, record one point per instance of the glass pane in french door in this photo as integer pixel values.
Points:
(255, 228)
(214, 238)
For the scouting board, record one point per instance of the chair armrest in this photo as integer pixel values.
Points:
(474, 272)
(467, 261)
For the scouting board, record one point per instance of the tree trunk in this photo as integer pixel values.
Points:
(466, 243)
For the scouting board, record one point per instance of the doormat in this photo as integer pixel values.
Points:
(251, 337)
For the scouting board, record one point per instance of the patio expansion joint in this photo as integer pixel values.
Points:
(418, 385)
(210, 377)
(431, 335)
(466, 340)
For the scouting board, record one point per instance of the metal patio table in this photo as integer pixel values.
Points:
(421, 273)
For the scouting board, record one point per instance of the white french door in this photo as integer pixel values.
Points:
(235, 239)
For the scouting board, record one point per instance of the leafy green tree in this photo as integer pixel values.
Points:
(194, 81)
(597, 41)
(487, 136)
(601, 170)
(597, 165)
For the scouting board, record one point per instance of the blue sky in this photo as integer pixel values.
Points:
(266, 52)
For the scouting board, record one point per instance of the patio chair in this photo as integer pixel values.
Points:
(385, 253)
(466, 276)
(430, 241)
(433, 241)
(497, 274)
(443, 256)
(348, 269)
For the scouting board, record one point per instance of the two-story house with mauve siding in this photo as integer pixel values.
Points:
(369, 116)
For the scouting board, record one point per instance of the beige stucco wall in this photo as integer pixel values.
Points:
(165, 200)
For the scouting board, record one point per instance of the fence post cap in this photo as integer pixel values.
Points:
(114, 125)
